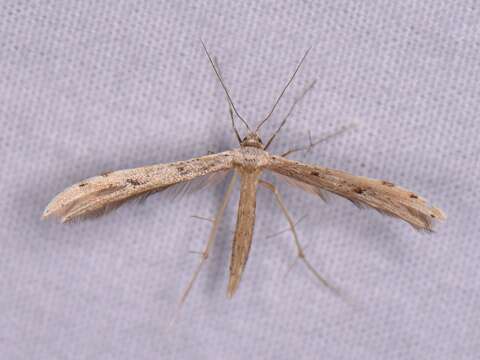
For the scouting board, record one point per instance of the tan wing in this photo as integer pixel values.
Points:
(101, 193)
(378, 194)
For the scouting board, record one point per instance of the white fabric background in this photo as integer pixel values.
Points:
(92, 86)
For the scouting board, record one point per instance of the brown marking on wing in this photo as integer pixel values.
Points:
(381, 195)
(104, 193)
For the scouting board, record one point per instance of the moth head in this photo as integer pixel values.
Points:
(253, 140)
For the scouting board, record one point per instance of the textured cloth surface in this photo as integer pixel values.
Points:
(92, 86)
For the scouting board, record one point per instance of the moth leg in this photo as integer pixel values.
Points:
(205, 253)
(198, 217)
(324, 138)
(202, 218)
(287, 229)
(300, 251)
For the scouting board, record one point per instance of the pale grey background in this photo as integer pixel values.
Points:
(90, 86)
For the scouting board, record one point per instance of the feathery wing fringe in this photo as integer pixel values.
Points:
(306, 187)
(383, 196)
(100, 194)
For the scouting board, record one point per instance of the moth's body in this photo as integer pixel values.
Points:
(248, 161)
(243, 237)
(249, 158)
(99, 194)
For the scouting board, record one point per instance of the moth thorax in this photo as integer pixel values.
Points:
(252, 140)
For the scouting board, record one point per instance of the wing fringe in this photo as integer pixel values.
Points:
(383, 196)
(101, 194)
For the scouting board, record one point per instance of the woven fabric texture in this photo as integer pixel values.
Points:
(92, 86)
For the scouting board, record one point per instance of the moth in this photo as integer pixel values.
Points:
(99, 194)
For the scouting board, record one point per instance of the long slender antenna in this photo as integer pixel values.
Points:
(284, 121)
(230, 111)
(284, 89)
(224, 87)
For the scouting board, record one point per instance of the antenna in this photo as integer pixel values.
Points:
(284, 121)
(224, 87)
(283, 91)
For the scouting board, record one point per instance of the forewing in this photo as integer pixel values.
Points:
(362, 191)
(102, 193)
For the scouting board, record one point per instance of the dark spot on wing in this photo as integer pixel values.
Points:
(413, 196)
(133, 182)
(210, 165)
(432, 215)
(388, 183)
(82, 184)
(315, 173)
(359, 190)
(109, 190)
(181, 170)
